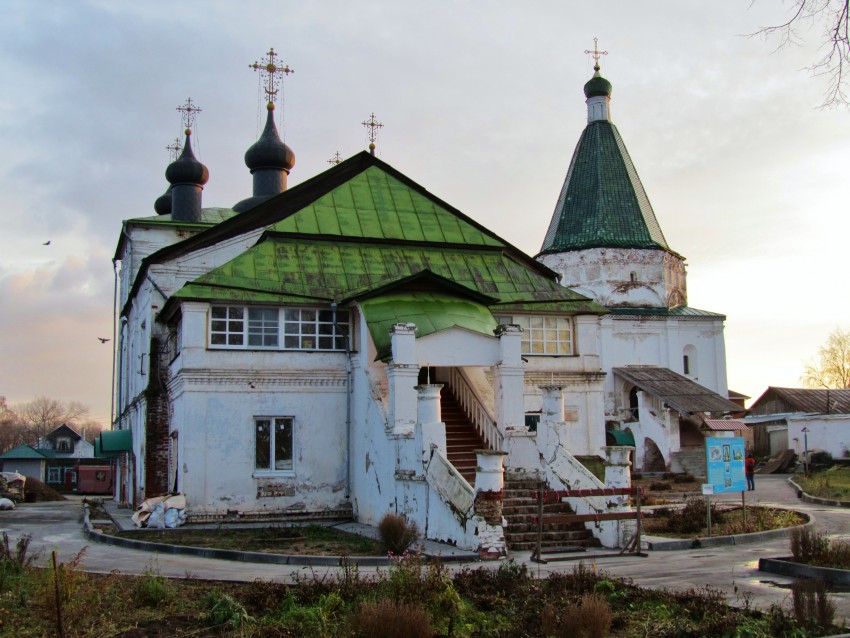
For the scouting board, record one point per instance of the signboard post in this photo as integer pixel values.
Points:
(724, 468)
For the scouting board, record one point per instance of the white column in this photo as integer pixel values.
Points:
(509, 380)
(489, 494)
(431, 427)
(193, 337)
(551, 420)
(402, 377)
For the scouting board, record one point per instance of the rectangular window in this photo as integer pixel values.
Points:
(54, 474)
(273, 444)
(299, 329)
(686, 364)
(546, 335)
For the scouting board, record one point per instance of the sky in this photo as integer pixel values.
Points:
(481, 103)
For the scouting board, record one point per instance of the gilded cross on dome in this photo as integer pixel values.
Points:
(271, 74)
(174, 149)
(373, 125)
(336, 159)
(596, 53)
(189, 110)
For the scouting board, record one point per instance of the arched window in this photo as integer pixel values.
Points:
(690, 366)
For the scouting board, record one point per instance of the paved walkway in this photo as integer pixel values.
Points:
(732, 569)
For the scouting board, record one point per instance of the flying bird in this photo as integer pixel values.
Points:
(47, 243)
(102, 339)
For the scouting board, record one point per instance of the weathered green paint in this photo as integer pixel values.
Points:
(335, 270)
(376, 205)
(430, 311)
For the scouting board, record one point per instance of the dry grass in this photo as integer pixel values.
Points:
(589, 617)
(397, 534)
(391, 619)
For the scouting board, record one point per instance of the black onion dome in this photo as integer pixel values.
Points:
(162, 205)
(186, 169)
(269, 151)
(597, 85)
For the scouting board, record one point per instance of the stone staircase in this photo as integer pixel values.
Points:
(518, 508)
(689, 459)
(462, 439)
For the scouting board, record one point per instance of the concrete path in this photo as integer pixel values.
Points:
(732, 569)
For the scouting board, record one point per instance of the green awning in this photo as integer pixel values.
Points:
(619, 437)
(430, 311)
(113, 442)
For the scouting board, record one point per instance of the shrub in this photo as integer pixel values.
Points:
(808, 546)
(684, 478)
(152, 588)
(397, 535)
(636, 476)
(224, 610)
(390, 619)
(812, 604)
(658, 486)
(589, 618)
(692, 517)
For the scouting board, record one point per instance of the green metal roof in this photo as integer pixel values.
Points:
(602, 203)
(621, 437)
(112, 443)
(430, 311)
(679, 311)
(214, 215)
(25, 452)
(374, 204)
(292, 268)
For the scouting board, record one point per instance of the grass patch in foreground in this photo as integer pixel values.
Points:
(411, 600)
(307, 540)
(832, 483)
(690, 521)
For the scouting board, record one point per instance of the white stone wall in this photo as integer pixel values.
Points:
(830, 432)
(623, 276)
(662, 342)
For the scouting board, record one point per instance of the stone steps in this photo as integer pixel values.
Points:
(462, 438)
(520, 506)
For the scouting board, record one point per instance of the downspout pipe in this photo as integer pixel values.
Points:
(114, 337)
(347, 401)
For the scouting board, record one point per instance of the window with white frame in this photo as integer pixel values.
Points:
(273, 444)
(544, 335)
(54, 474)
(278, 328)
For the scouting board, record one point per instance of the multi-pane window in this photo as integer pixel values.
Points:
(312, 329)
(54, 474)
(545, 335)
(273, 443)
(285, 328)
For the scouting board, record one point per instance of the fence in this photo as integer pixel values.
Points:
(632, 548)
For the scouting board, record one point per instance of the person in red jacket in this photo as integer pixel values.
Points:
(750, 470)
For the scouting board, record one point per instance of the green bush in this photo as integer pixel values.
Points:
(152, 589)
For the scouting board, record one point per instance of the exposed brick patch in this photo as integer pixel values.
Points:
(488, 505)
(156, 425)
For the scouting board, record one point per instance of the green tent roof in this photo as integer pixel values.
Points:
(602, 203)
(430, 311)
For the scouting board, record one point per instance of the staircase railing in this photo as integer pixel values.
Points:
(474, 409)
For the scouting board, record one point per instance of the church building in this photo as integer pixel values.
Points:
(355, 346)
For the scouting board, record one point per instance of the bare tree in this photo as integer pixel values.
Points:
(832, 369)
(832, 19)
(12, 431)
(41, 415)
